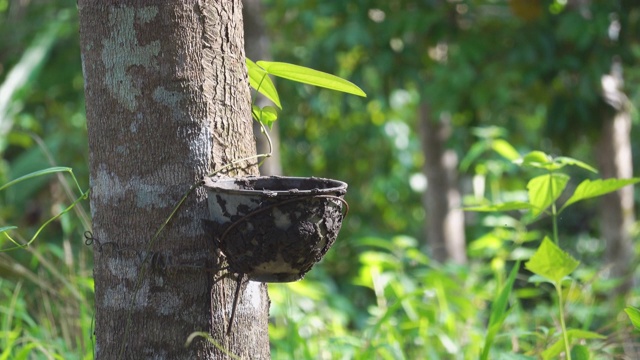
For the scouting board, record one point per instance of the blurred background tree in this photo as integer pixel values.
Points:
(536, 68)
(448, 82)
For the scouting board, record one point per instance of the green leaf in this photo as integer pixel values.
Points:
(34, 174)
(550, 262)
(472, 154)
(541, 160)
(508, 206)
(499, 312)
(261, 82)
(505, 149)
(634, 316)
(534, 158)
(544, 190)
(581, 352)
(309, 76)
(266, 115)
(583, 334)
(553, 351)
(571, 161)
(590, 189)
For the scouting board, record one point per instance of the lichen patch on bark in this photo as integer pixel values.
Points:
(122, 50)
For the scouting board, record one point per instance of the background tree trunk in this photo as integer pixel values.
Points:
(615, 161)
(257, 48)
(442, 200)
(167, 101)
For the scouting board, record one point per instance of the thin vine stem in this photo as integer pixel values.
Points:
(563, 326)
(554, 223)
(554, 211)
(558, 285)
(83, 195)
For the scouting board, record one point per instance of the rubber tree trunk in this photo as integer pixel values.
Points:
(442, 200)
(615, 161)
(257, 48)
(167, 102)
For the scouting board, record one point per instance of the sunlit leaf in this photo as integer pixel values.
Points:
(505, 149)
(309, 76)
(634, 316)
(550, 262)
(261, 82)
(571, 161)
(534, 158)
(544, 190)
(541, 160)
(579, 334)
(590, 189)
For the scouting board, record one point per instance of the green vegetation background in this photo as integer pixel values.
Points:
(530, 75)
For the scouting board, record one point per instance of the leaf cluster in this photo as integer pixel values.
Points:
(260, 81)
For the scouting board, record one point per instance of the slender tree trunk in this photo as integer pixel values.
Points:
(615, 161)
(442, 200)
(257, 48)
(167, 103)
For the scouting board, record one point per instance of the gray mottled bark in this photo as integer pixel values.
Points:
(167, 103)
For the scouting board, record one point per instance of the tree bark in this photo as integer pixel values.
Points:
(615, 160)
(257, 48)
(167, 101)
(442, 200)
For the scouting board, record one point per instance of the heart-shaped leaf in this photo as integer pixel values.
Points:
(544, 190)
(550, 262)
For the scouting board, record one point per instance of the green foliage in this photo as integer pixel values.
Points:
(499, 312)
(550, 262)
(420, 309)
(634, 316)
(260, 81)
(377, 295)
(540, 160)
